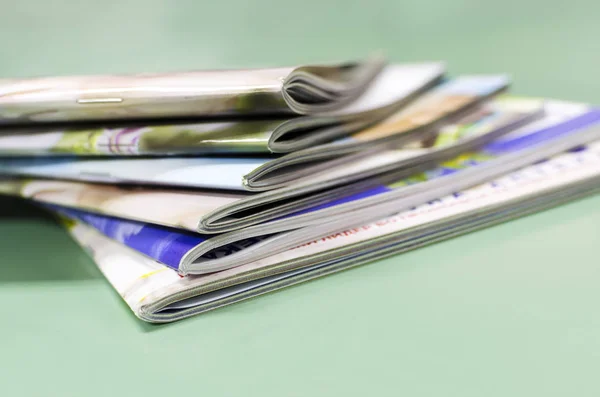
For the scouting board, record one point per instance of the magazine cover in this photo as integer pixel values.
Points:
(301, 90)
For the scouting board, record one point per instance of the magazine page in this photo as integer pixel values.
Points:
(142, 96)
(245, 136)
(181, 209)
(197, 172)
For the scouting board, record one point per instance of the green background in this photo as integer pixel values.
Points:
(508, 311)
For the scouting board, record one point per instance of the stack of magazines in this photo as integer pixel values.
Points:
(195, 190)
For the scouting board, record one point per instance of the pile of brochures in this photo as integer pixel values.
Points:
(196, 190)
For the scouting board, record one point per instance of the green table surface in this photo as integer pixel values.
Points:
(508, 311)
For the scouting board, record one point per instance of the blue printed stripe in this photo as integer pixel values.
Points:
(357, 196)
(546, 134)
(160, 243)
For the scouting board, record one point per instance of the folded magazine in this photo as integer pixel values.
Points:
(156, 293)
(204, 254)
(217, 212)
(302, 90)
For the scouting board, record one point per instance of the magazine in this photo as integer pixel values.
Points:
(156, 293)
(206, 254)
(395, 87)
(302, 90)
(218, 212)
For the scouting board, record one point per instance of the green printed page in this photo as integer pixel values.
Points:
(213, 137)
